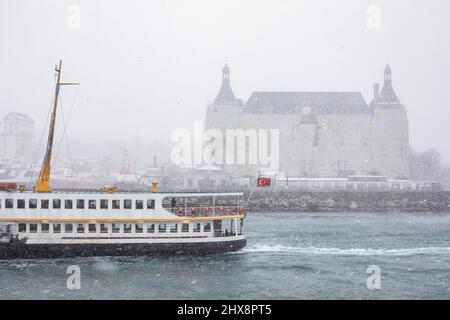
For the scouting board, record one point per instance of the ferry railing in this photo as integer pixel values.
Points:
(207, 211)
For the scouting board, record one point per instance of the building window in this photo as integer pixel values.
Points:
(44, 204)
(116, 204)
(151, 228)
(92, 204)
(56, 203)
(185, 227)
(115, 228)
(80, 203)
(162, 227)
(174, 228)
(104, 204)
(139, 204)
(68, 228)
(138, 228)
(68, 204)
(150, 204)
(9, 203)
(103, 228)
(207, 227)
(45, 227)
(56, 228)
(33, 227)
(127, 228)
(197, 227)
(92, 228)
(32, 204)
(22, 227)
(127, 204)
(20, 203)
(80, 228)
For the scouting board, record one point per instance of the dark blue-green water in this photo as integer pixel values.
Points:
(288, 256)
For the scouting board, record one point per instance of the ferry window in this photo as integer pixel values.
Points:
(104, 204)
(92, 204)
(127, 204)
(45, 227)
(139, 204)
(185, 227)
(150, 204)
(68, 204)
(80, 203)
(56, 203)
(207, 227)
(138, 228)
(162, 227)
(9, 203)
(92, 228)
(103, 228)
(0, 203)
(197, 227)
(33, 227)
(151, 228)
(80, 228)
(68, 228)
(44, 204)
(174, 228)
(56, 228)
(20, 204)
(22, 227)
(116, 204)
(127, 228)
(115, 228)
(32, 204)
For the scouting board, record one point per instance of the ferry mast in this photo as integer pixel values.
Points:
(43, 182)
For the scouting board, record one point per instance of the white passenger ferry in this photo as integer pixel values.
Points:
(45, 223)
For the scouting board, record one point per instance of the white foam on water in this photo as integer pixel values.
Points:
(352, 251)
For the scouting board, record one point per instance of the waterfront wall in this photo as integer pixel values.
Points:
(303, 201)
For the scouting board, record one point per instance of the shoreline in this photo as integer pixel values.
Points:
(335, 201)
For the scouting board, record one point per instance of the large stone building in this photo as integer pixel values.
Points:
(321, 134)
(16, 138)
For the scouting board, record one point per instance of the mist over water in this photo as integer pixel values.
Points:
(288, 256)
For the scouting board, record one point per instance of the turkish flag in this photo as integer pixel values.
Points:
(263, 182)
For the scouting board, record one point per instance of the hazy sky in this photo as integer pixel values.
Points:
(148, 67)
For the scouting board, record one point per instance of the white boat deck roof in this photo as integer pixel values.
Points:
(172, 194)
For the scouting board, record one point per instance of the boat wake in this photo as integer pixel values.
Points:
(259, 248)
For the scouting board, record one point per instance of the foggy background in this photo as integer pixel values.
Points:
(149, 67)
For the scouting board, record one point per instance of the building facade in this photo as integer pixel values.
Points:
(321, 134)
(17, 138)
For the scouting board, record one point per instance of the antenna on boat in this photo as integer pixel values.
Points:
(43, 182)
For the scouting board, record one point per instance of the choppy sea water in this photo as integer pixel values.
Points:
(288, 256)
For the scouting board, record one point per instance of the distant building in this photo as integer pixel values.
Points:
(16, 138)
(322, 134)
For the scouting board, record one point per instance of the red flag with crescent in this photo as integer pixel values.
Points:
(263, 182)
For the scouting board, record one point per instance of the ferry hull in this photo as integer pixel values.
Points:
(49, 251)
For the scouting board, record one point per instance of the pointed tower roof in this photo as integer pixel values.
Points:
(387, 94)
(225, 94)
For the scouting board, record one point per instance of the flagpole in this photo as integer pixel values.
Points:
(254, 187)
